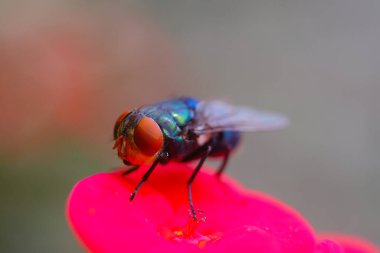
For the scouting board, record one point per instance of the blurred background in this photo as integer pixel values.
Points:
(69, 68)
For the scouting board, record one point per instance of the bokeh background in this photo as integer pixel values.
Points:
(69, 68)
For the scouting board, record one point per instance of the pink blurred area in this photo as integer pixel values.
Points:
(236, 219)
(75, 72)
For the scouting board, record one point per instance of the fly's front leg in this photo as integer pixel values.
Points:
(191, 179)
(130, 170)
(146, 175)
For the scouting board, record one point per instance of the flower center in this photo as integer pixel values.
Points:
(189, 234)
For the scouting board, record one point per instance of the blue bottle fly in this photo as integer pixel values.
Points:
(185, 129)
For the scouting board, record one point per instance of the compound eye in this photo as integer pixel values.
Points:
(117, 124)
(148, 136)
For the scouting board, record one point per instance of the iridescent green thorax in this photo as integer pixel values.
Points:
(171, 115)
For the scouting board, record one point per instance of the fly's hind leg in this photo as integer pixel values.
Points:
(224, 164)
(191, 179)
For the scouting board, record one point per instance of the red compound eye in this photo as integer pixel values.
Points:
(148, 136)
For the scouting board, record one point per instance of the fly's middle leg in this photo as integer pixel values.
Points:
(191, 179)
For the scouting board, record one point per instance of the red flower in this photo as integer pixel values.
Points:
(235, 220)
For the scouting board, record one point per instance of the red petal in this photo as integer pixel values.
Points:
(237, 220)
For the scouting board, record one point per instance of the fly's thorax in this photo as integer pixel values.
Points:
(139, 139)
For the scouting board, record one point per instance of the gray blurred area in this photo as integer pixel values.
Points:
(318, 62)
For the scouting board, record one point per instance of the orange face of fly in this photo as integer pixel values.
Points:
(137, 141)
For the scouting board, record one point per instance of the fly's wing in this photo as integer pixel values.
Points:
(216, 116)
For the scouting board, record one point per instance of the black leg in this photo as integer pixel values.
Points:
(145, 177)
(191, 179)
(130, 170)
(223, 165)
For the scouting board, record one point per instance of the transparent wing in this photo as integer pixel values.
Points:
(215, 116)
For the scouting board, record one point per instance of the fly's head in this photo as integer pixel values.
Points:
(138, 138)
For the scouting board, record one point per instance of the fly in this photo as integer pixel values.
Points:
(186, 129)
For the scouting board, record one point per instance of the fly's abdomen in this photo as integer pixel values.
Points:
(225, 141)
(221, 143)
